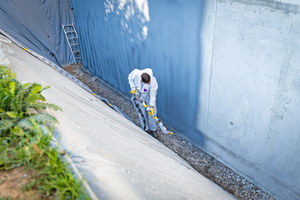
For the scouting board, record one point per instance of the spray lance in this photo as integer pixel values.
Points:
(160, 124)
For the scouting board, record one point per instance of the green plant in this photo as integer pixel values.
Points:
(53, 175)
(25, 139)
(16, 100)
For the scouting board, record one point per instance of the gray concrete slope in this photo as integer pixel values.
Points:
(118, 159)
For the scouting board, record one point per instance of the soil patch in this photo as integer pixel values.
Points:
(205, 164)
(13, 183)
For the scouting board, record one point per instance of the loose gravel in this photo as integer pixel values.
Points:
(205, 164)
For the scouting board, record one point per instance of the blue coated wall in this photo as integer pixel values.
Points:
(115, 42)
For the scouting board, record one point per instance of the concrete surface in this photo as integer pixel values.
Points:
(118, 159)
(249, 96)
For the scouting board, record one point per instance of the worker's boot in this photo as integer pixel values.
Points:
(153, 134)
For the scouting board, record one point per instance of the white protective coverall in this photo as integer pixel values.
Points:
(147, 94)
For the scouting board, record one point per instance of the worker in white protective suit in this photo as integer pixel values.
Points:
(143, 84)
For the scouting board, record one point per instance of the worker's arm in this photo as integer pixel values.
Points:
(131, 78)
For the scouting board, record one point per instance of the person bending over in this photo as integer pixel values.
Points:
(143, 83)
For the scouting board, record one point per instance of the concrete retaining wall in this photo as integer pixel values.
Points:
(249, 93)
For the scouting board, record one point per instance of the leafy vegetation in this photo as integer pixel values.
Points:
(25, 137)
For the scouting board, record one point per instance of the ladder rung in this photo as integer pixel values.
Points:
(76, 53)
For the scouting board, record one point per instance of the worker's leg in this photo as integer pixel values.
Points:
(139, 110)
(144, 113)
(152, 122)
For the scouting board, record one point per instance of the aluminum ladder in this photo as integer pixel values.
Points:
(72, 38)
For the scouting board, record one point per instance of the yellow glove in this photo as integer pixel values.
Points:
(151, 112)
(133, 91)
